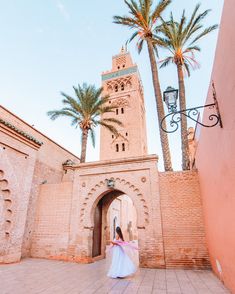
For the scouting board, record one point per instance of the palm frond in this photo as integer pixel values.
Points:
(177, 35)
(140, 45)
(143, 18)
(191, 21)
(86, 110)
(161, 6)
(192, 48)
(109, 127)
(126, 21)
(165, 62)
(196, 22)
(54, 114)
(204, 33)
(155, 48)
(112, 120)
(133, 36)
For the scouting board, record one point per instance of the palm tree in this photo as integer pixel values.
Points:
(180, 39)
(85, 111)
(143, 18)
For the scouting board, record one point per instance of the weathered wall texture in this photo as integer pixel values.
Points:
(24, 165)
(215, 157)
(182, 219)
(52, 220)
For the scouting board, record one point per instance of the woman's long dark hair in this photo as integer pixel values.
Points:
(119, 232)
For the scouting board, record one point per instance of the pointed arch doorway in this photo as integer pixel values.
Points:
(113, 209)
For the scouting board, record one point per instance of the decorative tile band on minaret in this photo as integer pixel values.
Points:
(123, 85)
(119, 73)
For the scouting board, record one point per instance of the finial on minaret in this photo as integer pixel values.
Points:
(123, 50)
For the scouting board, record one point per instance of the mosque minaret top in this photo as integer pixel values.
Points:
(123, 86)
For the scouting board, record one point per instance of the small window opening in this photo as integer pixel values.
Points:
(112, 136)
(122, 110)
(109, 102)
(126, 134)
(116, 88)
(123, 65)
(117, 111)
(123, 146)
(122, 87)
(117, 148)
(118, 67)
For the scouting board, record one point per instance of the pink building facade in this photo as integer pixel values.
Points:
(215, 157)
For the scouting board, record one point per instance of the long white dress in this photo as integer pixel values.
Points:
(121, 265)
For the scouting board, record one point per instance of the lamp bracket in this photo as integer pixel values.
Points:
(193, 114)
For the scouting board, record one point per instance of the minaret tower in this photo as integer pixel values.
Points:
(124, 87)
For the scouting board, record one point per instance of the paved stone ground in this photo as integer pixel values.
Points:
(32, 276)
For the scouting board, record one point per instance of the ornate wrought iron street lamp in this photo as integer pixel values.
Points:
(170, 98)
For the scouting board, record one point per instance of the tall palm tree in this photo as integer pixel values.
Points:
(181, 40)
(143, 18)
(85, 111)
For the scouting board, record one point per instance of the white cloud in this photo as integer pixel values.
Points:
(63, 10)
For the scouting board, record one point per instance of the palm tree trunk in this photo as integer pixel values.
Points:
(184, 128)
(160, 108)
(84, 145)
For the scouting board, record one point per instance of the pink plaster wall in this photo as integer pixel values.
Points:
(215, 158)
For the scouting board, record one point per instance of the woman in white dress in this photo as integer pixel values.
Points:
(121, 265)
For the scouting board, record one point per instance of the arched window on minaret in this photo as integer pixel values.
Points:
(117, 148)
(109, 89)
(117, 111)
(128, 84)
(122, 87)
(122, 110)
(116, 88)
(123, 146)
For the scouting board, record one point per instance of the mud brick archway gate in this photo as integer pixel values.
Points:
(136, 177)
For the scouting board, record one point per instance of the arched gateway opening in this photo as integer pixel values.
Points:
(115, 208)
(98, 191)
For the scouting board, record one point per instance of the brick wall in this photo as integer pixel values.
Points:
(52, 221)
(42, 173)
(182, 219)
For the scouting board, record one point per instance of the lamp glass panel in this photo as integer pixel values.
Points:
(171, 97)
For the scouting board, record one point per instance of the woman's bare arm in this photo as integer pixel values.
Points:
(113, 243)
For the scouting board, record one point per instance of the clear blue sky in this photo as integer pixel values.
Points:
(49, 46)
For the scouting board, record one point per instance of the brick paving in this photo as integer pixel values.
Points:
(32, 276)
